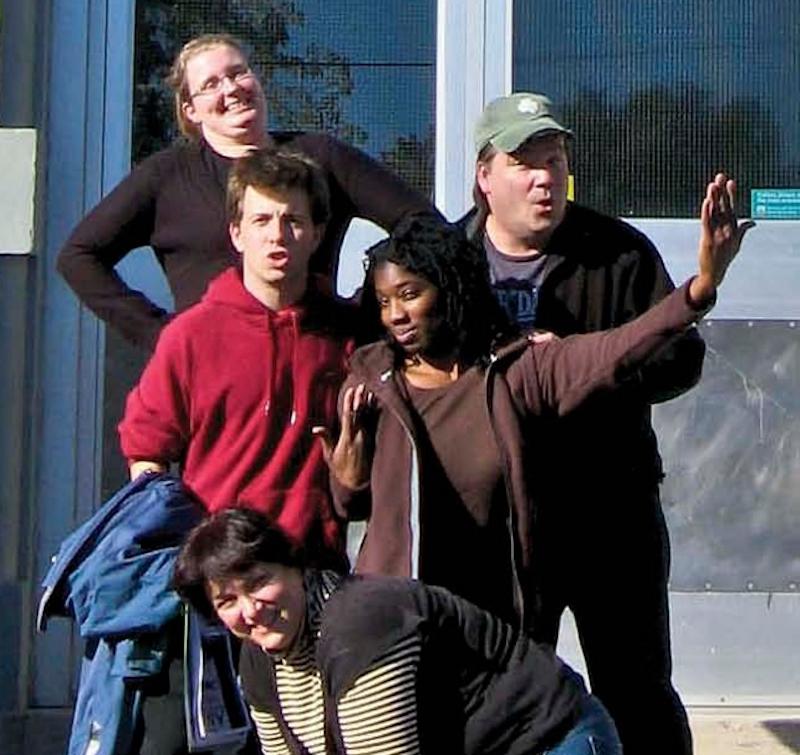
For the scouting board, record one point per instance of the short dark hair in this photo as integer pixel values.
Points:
(440, 253)
(231, 544)
(280, 171)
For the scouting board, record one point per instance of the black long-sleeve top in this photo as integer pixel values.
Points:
(174, 201)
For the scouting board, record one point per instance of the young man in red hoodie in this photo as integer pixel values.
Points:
(237, 381)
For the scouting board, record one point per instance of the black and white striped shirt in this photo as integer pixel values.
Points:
(377, 715)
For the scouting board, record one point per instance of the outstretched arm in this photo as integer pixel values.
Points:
(678, 366)
(561, 375)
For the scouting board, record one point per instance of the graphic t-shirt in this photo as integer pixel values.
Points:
(515, 281)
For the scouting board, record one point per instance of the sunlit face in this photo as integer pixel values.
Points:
(527, 191)
(276, 238)
(271, 614)
(408, 308)
(225, 97)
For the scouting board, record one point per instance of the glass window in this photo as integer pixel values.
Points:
(662, 95)
(361, 70)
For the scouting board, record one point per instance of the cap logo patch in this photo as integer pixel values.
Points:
(529, 105)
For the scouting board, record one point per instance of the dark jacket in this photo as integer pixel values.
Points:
(601, 273)
(525, 384)
(481, 686)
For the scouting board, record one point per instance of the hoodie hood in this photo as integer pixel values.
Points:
(319, 310)
(228, 290)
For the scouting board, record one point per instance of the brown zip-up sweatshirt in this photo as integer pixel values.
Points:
(523, 381)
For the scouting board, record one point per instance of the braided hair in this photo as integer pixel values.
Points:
(439, 252)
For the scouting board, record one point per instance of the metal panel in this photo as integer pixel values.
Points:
(728, 649)
(737, 649)
(88, 104)
(473, 67)
(16, 295)
(763, 281)
(17, 188)
(450, 93)
(57, 466)
(732, 457)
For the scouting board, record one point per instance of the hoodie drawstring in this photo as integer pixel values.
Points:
(276, 347)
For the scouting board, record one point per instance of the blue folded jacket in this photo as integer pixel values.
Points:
(113, 576)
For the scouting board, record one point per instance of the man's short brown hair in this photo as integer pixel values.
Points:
(484, 158)
(280, 171)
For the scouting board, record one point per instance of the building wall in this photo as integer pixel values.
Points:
(22, 62)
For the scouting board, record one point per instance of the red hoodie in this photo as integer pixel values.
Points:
(232, 392)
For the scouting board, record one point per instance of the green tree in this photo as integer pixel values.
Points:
(412, 158)
(652, 154)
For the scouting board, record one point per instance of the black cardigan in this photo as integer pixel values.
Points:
(483, 687)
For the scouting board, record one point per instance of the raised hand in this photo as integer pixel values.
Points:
(721, 237)
(351, 458)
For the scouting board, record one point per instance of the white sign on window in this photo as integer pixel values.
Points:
(17, 189)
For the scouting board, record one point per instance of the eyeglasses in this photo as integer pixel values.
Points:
(214, 84)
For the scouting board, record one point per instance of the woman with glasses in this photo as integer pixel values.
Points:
(174, 200)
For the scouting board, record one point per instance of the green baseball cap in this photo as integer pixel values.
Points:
(509, 121)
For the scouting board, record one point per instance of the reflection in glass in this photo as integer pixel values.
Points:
(663, 95)
(360, 70)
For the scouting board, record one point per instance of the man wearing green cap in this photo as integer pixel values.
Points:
(602, 541)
